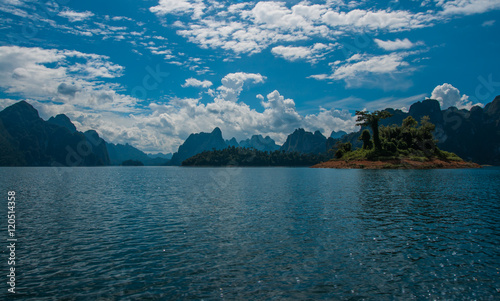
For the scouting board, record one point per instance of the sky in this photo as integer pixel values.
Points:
(151, 72)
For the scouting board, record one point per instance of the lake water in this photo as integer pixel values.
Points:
(171, 233)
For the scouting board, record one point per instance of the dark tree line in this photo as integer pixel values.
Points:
(237, 156)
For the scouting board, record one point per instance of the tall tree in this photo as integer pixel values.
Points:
(366, 118)
(366, 138)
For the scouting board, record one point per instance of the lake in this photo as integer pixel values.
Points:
(172, 233)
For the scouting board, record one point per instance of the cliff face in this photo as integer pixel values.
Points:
(98, 146)
(473, 135)
(28, 140)
(197, 143)
(305, 142)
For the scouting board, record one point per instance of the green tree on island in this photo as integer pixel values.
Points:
(411, 140)
(366, 138)
(366, 118)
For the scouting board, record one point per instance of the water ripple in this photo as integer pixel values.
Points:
(255, 233)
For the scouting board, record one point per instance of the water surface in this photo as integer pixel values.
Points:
(125, 233)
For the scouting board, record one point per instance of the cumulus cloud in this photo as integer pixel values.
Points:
(361, 64)
(232, 84)
(178, 118)
(253, 27)
(80, 85)
(163, 127)
(66, 89)
(74, 16)
(380, 19)
(311, 54)
(449, 96)
(387, 72)
(165, 7)
(395, 45)
(327, 121)
(468, 7)
(51, 74)
(193, 82)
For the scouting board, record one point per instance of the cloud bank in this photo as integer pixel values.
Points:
(81, 86)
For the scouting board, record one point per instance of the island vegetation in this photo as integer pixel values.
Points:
(411, 145)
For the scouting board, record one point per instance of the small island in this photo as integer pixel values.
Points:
(409, 146)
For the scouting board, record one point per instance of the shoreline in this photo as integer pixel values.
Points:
(396, 164)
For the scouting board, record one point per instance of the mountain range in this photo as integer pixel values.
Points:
(28, 140)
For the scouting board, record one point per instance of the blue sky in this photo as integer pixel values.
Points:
(151, 72)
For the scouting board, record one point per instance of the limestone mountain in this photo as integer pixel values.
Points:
(64, 121)
(197, 143)
(28, 140)
(305, 142)
(260, 143)
(118, 153)
(336, 135)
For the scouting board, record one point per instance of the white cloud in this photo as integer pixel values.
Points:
(121, 18)
(362, 65)
(327, 121)
(488, 23)
(468, 7)
(449, 96)
(280, 113)
(395, 45)
(161, 127)
(177, 119)
(388, 72)
(193, 82)
(232, 84)
(74, 16)
(165, 7)
(311, 54)
(25, 72)
(252, 27)
(357, 19)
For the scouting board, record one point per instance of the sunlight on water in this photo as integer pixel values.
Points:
(255, 233)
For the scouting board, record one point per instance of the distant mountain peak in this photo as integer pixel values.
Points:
(64, 121)
(337, 135)
(305, 142)
(428, 107)
(318, 133)
(493, 108)
(197, 143)
(260, 143)
(20, 113)
(32, 141)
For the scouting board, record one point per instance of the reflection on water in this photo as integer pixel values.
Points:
(255, 233)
